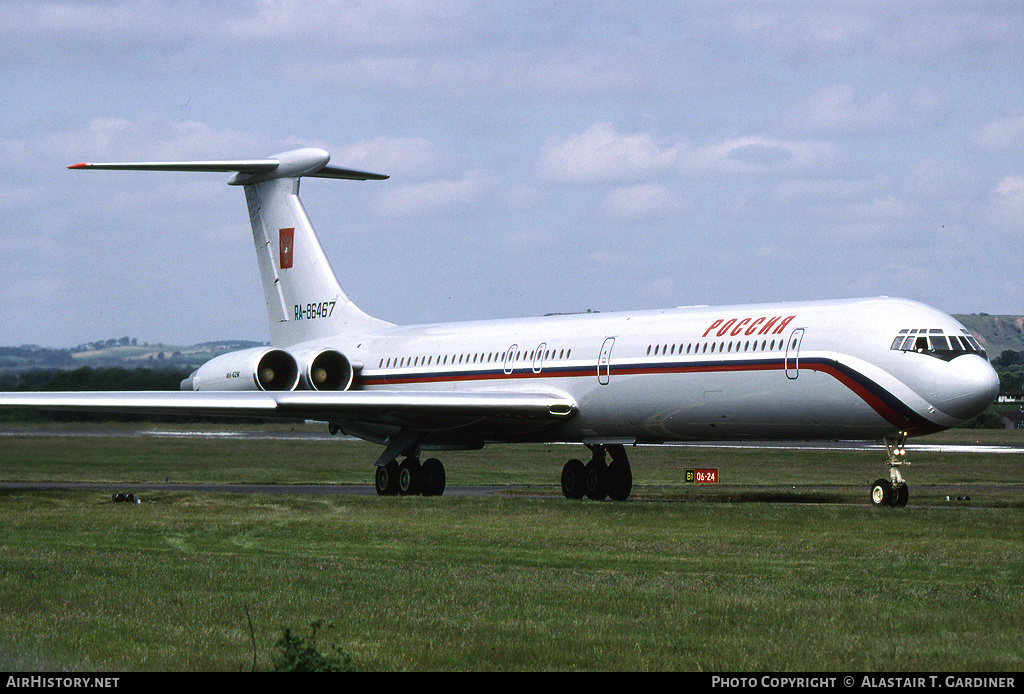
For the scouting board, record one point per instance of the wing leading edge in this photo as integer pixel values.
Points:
(416, 410)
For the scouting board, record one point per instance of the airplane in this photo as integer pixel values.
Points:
(867, 369)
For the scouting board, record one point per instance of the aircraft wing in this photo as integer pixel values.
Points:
(417, 410)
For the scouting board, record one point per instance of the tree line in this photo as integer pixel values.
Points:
(91, 378)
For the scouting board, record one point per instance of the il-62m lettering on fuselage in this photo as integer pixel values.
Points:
(880, 368)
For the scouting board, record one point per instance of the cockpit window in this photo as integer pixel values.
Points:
(934, 342)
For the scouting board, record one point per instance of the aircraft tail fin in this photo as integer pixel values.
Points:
(304, 299)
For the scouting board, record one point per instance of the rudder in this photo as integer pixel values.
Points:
(304, 299)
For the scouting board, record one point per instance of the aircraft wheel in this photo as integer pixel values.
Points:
(881, 493)
(901, 496)
(386, 479)
(597, 480)
(409, 477)
(620, 481)
(432, 477)
(573, 479)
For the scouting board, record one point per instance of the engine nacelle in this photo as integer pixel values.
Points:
(326, 369)
(259, 368)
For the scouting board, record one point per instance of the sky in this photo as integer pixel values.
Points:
(544, 157)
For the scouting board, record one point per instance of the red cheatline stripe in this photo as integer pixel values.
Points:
(890, 411)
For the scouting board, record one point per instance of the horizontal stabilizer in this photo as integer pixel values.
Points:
(293, 164)
(243, 165)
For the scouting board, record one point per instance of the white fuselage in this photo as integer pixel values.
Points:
(824, 369)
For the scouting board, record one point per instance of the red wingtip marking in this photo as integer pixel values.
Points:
(79, 166)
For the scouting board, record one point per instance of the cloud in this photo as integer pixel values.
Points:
(601, 153)
(382, 23)
(432, 196)
(494, 72)
(390, 155)
(829, 188)
(802, 29)
(1006, 204)
(839, 109)
(758, 154)
(1002, 134)
(123, 139)
(925, 32)
(641, 202)
(836, 109)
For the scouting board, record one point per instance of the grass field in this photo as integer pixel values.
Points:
(822, 582)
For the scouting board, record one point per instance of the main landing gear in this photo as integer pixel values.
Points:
(597, 479)
(892, 491)
(410, 478)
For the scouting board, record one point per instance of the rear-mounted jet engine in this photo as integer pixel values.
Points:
(326, 369)
(259, 368)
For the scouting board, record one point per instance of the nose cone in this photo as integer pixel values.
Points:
(967, 386)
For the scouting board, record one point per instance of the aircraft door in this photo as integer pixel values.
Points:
(604, 362)
(510, 359)
(793, 354)
(538, 359)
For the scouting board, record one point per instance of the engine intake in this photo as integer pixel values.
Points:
(327, 369)
(259, 368)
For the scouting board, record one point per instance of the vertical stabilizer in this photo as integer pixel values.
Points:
(304, 299)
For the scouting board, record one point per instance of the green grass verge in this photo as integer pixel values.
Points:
(501, 583)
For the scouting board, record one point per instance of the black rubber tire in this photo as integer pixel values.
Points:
(432, 478)
(597, 480)
(881, 493)
(573, 479)
(386, 479)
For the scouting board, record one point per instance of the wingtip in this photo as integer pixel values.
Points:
(82, 165)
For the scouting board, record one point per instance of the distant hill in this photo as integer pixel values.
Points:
(996, 333)
(122, 353)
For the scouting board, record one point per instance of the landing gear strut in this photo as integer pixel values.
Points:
(597, 479)
(892, 491)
